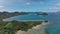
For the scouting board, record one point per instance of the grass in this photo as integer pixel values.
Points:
(14, 26)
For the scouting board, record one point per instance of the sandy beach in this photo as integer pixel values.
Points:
(39, 29)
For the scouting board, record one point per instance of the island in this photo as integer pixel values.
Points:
(11, 27)
(42, 14)
(6, 14)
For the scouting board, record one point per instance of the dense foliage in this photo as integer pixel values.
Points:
(13, 26)
(6, 14)
(42, 14)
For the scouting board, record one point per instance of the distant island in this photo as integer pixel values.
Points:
(42, 14)
(4, 15)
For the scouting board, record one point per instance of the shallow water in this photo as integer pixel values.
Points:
(53, 27)
(39, 29)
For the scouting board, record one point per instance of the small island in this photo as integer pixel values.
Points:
(42, 14)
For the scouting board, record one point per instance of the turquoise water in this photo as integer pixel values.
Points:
(53, 27)
(26, 17)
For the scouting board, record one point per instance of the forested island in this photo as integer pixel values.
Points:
(10, 27)
(5, 14)
(42, 14)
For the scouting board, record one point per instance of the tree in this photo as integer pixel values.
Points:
(14, 26)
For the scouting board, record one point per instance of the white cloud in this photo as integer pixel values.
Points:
(57, 4)
(53, 8)
(41, 2)
(1, 7)
(28, 3)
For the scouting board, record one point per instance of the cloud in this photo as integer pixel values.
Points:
(41, 2)
(1, 7)
(29, 0)
(23, 1)
(35, 0)
(28, 3)
(57, 4)
(38, 0)
(53, 9)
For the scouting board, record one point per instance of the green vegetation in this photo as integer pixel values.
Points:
(6, 14)
(2, 31)
(14, 26)
(43, 14)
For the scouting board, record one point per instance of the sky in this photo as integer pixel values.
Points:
(30, 5)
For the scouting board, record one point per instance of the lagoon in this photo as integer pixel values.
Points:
(53, 27)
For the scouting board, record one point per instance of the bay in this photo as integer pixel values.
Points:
(53, 27)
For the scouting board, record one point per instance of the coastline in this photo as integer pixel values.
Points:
(39, 29)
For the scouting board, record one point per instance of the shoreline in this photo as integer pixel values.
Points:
(39, 29)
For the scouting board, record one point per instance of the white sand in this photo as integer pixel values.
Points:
(39, 29)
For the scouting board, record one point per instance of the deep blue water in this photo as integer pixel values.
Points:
(53, 27)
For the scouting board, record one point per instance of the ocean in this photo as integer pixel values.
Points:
(53, 27)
